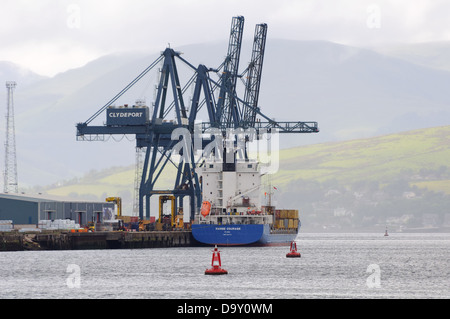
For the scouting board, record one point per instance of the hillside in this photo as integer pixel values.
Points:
(412, 154)
(431, 54)
(397, 180)
(400, 179)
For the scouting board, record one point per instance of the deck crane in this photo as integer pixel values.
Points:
(156, 131)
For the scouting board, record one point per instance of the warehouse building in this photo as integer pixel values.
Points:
(22, 209)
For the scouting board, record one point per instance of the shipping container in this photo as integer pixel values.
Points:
(278, 224)
(277, 214)
(291, 223)
(134, 219)
(292, 213)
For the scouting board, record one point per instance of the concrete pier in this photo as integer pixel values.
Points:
(95, 240)
(11, 242)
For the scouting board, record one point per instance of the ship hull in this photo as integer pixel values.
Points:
(240, 235)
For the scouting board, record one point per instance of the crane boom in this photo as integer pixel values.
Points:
(227, 105)
(254, 72)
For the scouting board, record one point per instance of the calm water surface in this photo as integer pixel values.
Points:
(331, 266)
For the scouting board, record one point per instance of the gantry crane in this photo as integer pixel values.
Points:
(157, 132)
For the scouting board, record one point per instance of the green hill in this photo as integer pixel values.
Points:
(399, 180)
(421, 156)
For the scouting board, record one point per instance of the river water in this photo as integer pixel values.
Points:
(356, 266)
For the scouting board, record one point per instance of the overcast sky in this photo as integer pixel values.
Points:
(51, 36)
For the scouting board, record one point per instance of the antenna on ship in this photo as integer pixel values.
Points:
(270, 190)
(270, 193)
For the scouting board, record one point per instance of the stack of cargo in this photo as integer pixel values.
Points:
(58, 224)
(286, 219)
(131, 222)
(134, 223)
(6, 225)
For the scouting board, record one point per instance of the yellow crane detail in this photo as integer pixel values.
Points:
(118, 202)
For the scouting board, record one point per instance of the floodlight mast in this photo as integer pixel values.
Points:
(10, 174)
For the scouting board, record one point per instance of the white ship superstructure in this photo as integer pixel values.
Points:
(233, 190)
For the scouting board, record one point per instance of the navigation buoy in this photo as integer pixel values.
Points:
(293, 252)
(216, 264)
(386, 233)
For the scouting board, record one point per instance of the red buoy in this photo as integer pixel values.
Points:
(216, 264)
(293, 252)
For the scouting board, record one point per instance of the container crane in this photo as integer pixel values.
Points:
(155, 131)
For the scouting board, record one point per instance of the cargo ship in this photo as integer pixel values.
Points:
(231, 212)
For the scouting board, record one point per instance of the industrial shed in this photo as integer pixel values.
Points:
(23, 209)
